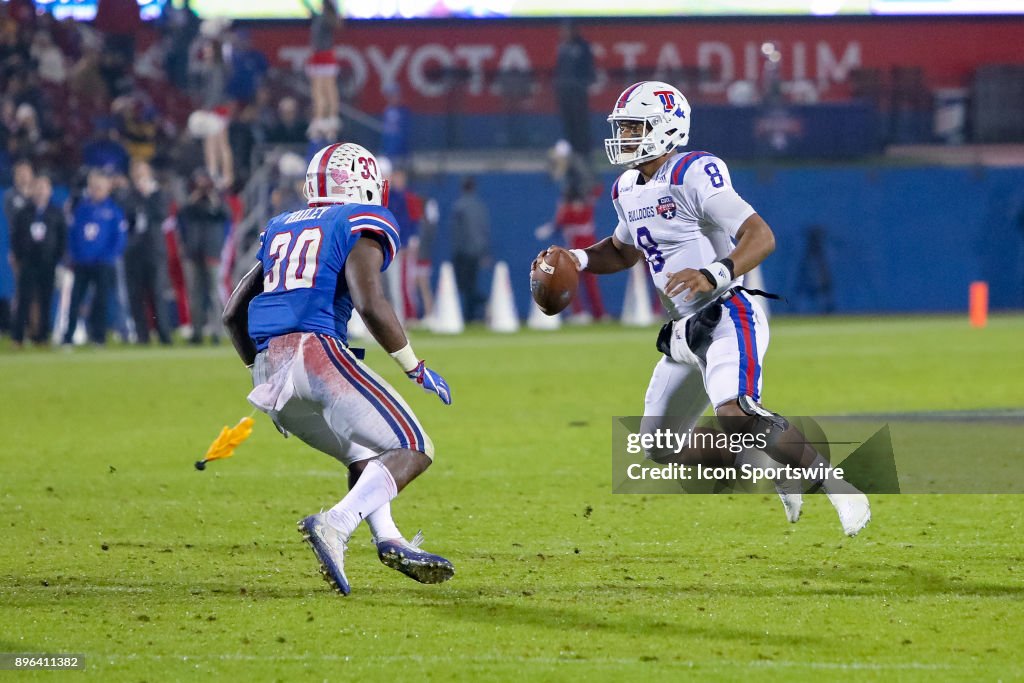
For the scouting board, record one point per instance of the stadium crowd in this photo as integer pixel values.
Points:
(126, 159)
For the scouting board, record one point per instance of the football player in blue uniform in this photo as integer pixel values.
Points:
(288, 320)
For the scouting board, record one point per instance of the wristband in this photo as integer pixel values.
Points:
(727, 262)
(582, 255)
(406, 358)
(718, 274)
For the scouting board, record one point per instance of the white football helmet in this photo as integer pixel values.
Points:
(345, 173)
(665, 114)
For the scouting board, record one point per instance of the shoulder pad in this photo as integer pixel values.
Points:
(627, 178)
(682, 165)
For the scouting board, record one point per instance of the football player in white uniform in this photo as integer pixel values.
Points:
(679, 212)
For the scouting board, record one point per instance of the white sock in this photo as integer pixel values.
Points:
(382, 525)
(376, 487)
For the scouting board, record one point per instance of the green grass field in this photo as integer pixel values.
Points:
(116, 548)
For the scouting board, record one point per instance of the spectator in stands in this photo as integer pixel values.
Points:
(242, 138)
(51, 65)
(574, 73)
(394, 135)
(39, 236)
(247, 67)
(264, 117)
(322, 69)
(180, 26)
(289, 128)
(86, 79)
(202, 223)
(16, 198)
(119, 21)
(96, 240)
(105, 151)
(26, 138)
(145, 257)
(471, 240)
(138, 127)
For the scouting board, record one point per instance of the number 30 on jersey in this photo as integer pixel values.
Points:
(296, 256)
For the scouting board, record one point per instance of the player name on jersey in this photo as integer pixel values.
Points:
(313, 214)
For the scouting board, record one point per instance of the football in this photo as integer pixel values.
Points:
(553, 282)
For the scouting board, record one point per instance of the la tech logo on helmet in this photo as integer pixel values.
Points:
(668, 99)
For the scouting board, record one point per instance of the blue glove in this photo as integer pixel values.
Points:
(431, 381)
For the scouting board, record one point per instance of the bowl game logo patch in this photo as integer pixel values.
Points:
(667, 208)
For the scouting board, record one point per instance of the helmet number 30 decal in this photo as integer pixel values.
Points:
(369, 168)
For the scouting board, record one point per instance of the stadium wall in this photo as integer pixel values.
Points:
(424, 56)
(895, 239)
(824, 131)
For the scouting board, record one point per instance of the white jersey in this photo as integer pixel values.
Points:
(686, 216)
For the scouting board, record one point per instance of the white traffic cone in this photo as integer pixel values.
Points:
(539, 321)
(636, 308)
(501, 308)
(755, 280)
(447, 315)
(356, 326)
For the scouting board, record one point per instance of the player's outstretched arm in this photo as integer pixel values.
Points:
(236, 313)
(607, 256)
(610, 255)
(362, 273)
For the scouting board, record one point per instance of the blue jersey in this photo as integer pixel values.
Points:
(303, 255)
(97, 232)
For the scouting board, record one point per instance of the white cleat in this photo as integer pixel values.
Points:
(793, 504)
(853, 509)
(329, 547)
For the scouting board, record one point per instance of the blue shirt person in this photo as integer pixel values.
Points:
(96, 239)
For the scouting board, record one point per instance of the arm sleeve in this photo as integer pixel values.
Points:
(622, 233)
(622, 228)
(727, 210)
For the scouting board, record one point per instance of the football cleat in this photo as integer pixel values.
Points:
(791, 494)
(406, 557)
(329, 547)
(793, 504)
(853, 509)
